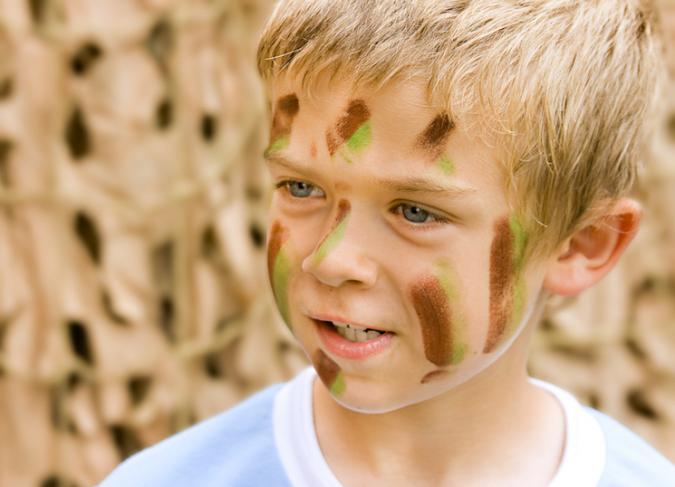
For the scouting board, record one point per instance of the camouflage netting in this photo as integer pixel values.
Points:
(133, 293)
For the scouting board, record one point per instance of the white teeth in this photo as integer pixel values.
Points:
(361, 336)
(356, 334)
(372, 335)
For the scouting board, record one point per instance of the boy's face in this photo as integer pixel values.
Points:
(389, 216)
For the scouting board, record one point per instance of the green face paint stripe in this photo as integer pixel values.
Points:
(339, 385)
(445, 164)
(446, 277)
(331, 241)
(361, 138)
(519, 242)
(280, 278)
(277, 145)
(336, 234)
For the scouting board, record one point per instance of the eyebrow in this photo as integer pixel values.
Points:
(400, 185)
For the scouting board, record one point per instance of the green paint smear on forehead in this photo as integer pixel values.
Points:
(331, 241)
(445, 164)
(277, 145)
(281, 275)
(360, 139)
(447, 279)
(338, 386)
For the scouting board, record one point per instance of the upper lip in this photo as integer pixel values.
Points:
(340, 319)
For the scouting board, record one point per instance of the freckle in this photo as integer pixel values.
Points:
(329, 372)
(431, 305)
(434, 375)
(335, 234)
(312, 151)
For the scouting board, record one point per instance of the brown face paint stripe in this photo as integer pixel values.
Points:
(278, 236)
(502, 274)
(436, 133)
(356, 115)
(434, 375)
(431, 305)
(286, 109)
(335, 233)
(329, 372)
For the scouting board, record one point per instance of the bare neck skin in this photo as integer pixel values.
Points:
(498, 429)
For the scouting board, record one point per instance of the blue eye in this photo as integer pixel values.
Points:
(415, 214)
(301, 189)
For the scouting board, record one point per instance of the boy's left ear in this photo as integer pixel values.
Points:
(592, 251)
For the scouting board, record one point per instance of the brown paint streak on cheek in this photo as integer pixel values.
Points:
(287, 108)
(278, 236)
(501, 283)
(326, 368)
(431, 305)
(434, 375)
(436, 133)
(357, 113)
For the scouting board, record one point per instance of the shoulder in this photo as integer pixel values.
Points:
(235, 448)
(630, 459)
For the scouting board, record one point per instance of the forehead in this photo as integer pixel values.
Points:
(408, 132)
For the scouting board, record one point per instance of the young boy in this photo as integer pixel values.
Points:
(441, 168)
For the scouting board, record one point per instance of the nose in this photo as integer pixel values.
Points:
(339, 258)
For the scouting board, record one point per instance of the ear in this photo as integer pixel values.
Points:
(592, 251)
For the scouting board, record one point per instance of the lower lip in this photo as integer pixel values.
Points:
(341, 347)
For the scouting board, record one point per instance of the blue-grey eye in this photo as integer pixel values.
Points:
(300, 189)
(415, 214)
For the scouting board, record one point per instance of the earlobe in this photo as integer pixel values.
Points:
(592, 251)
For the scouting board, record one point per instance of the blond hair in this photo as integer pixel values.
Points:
(565, 85)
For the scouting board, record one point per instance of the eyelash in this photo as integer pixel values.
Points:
(397, 209)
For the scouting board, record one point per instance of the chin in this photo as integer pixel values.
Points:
(371, 401)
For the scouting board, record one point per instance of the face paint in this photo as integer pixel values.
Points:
(329, 372)
(353, 129)
(507, 287)
(434, 375)
(337, 232)
(279, 269)
(431, 297)
(434, 139)
(287, 108)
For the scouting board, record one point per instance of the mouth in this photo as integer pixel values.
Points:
(352, 341)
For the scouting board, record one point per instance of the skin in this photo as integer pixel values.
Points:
(507, 292)
(428, 283)
(336, 233)
(279, 269)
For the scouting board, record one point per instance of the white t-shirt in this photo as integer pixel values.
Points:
(582, 462)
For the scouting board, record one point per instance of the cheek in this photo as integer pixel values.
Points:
(279, 268)
(437, 308)
(507, 286)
